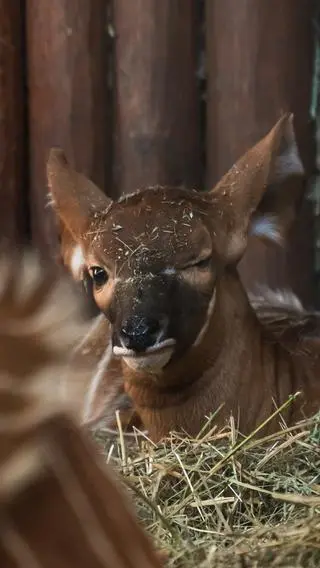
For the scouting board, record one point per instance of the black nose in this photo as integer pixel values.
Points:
(138, 333)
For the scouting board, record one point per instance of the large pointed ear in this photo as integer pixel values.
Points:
(260, 194)
(75, 198)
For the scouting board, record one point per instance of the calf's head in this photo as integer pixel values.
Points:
(155, 257)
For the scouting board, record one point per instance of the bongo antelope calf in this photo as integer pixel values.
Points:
(178, 334)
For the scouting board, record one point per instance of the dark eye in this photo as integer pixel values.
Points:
(98, 275)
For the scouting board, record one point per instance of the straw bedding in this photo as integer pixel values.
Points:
(224, 500)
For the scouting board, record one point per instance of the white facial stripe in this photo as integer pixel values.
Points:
(77, 263)
(169, 271)
(206, 323)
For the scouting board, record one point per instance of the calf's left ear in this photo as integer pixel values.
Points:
(260, 194)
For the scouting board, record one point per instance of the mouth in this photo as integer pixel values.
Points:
(153, 359)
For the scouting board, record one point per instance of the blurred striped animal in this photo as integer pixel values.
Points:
(60, 506)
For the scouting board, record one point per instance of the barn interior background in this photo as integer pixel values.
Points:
(145, 92)
(156, 92)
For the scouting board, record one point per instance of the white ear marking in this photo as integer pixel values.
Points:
(77, 262)
(266, 227)
(50, 200)
(280, 298)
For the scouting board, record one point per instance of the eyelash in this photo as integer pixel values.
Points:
(204, 263)
(201, 264)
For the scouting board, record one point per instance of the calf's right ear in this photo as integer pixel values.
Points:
(76, 200)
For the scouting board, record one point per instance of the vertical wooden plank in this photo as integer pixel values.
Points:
(13, 212)
(68, 87)
(156, 101)
(260, 58)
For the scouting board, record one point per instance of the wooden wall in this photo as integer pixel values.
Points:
(116, 84)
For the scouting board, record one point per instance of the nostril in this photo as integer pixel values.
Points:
(125, 332)
(140, 333)
(152, 326)
(143, 326)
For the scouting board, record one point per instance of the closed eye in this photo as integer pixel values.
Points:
(202, 263)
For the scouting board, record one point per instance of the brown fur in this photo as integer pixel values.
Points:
(171, 254)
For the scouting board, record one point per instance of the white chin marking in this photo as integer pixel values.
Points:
(125, 352)
(77, 263)
(153, 362)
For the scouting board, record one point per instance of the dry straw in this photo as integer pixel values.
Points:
(224, 500)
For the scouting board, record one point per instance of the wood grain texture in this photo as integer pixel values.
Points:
(157, 114)
(68, 50)
(260, 58)
(13, 212)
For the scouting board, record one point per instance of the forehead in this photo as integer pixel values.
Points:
(150, 229)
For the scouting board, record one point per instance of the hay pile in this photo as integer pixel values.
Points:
(222, 500)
